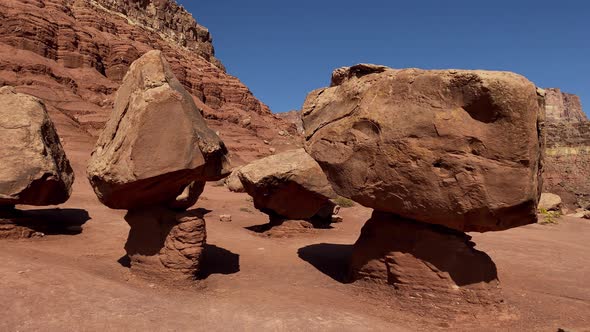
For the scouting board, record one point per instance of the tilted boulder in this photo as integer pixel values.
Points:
(155, 143)
(290, 184)
(34, 169)
(457, 148)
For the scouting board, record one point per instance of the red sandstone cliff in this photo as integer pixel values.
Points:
(74, 53)
(567, 161)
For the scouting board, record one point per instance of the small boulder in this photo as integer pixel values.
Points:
(225, 218)
(234, 183)
(34, 169)
(550, 202)
(156, 141)
(290, 184)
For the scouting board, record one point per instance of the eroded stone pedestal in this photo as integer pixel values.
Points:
(424, 261)
(165, 243)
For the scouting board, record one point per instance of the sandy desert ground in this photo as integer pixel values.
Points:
(80, 282)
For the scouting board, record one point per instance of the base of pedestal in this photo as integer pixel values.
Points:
(164, 243)
(424, 261)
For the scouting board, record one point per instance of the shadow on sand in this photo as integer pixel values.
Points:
(332, 260)
(218, 260)
(50, 221)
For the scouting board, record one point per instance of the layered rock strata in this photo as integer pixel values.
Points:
(74, 55)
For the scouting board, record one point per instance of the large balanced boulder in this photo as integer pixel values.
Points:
(34, 169)
(457, 148)
(290, 185)
(155, 143)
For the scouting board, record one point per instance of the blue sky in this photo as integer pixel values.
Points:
(284, 49)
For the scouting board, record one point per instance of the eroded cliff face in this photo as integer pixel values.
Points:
(567, 160)
(74, 53)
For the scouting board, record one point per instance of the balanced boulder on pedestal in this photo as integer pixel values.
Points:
(34, 169)
(153, 159)
(459, 149)
(289, 186)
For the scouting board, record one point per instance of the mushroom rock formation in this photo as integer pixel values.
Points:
(34, 169)
(435, 153)
(289, 185)
(153, 159)
(155, 143)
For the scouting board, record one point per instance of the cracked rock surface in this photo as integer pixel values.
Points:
(462, 149)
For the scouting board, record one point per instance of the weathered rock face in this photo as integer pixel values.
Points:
(74, 55)
(567, 162)
(420, 258)
(290, 185)
(164, 243)
(34, 169)
(155, 143)
(461, 149)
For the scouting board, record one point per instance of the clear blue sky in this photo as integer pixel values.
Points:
(284, 49)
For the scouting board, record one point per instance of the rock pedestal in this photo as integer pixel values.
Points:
(423, 260)
(165, 243)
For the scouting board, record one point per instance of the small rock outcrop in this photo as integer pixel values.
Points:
(155, 143)
(461, 149)
(153, 159)
(289, 185)
(435, 154)
(35, 169)
(234, 183)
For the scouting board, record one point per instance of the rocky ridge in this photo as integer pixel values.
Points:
(73, 54)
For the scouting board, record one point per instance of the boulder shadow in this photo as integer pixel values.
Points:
(50, 221)
(125, 261)
(332, 260)
(218, 260)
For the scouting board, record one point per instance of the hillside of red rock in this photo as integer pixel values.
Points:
(73, 54)
(567, 161)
